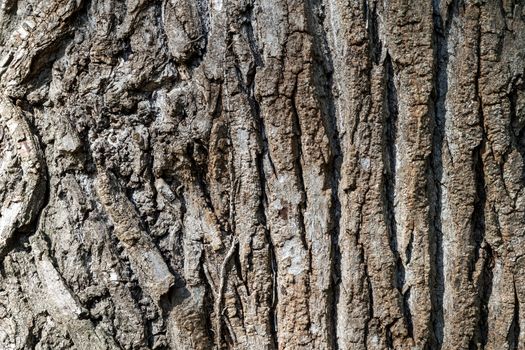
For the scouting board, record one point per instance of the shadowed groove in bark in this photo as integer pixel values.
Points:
(373, 33)
(260, 158)
(203, 11)
(513, 334)
(485, 293)
(370, 300)
(481, 246)
(298, 157)
(441, 33)
(40, 70)
(389, 183)
(20, 238)
(254, 46)
(390, 147)
(203, 8)
(273, 259)
(478, 218)
(208, 300)
(437, 267)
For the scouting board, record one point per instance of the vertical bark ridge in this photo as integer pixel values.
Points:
(353, 293)
(254, 251)
(322, 78)
(412, 182)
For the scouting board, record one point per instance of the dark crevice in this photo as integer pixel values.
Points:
(441, 59)
(238, 273)
(200, 43)
(298, 155)
(297, 150)
(205, 20)
(389, 339)
(389, 182)
(274, 323)
(271, 250)
(482, 249)
(126, 50)
(485, 288)
(373, 33)
(407, 314)
(19, 240)
(40, 72)
(179, 292)
(514, 330)
(248, 88)
(370, 294)
(247, 28)
(204, 13)
(409, 248)
(224, 334)
(478, 214)
(197, 150)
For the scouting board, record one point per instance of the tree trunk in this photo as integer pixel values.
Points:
(262, 174)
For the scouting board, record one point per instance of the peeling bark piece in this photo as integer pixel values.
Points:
(23, 195)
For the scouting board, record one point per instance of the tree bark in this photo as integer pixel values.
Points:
(262, 174)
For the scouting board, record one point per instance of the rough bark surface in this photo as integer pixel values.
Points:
(262, 174)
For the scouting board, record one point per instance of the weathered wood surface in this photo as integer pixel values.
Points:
(253, 174)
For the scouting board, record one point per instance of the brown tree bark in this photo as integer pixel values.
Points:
(262, 174)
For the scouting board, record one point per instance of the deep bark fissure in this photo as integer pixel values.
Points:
(441, 61)
(478, 214)
(375, 43)
(298, 160)
(370, 300)
(254, 46)
(513, 334)
(486, 282)
(390, 144)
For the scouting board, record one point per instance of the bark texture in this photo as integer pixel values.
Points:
(262, 174)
